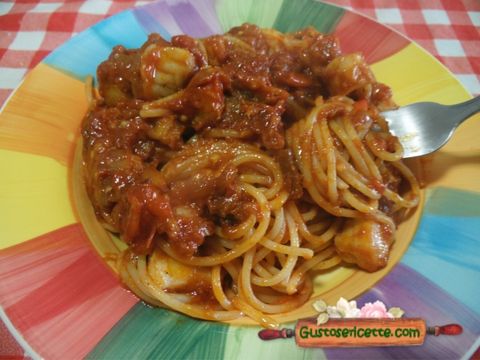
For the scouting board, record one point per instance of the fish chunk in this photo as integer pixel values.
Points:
(365, 243)
(172, 275)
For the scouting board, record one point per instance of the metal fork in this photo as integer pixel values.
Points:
(425, 127)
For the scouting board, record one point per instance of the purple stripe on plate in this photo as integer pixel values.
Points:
(156, 16)
(196, 18)
(419, 297)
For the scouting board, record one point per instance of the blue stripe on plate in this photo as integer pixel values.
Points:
(446, 247)
(81, 55)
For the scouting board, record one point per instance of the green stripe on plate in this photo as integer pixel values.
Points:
(298, 14)
(153, 333)
(236, 12)
(453, 202)
(283, 15)
(243, 343)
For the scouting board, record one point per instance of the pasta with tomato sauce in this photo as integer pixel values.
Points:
(237, 165)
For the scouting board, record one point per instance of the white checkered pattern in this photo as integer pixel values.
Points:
(471, 82)
(95, 7)
(5, 7)
(46, 7)
(474, 17)
(449, 48)
(436, 17)
(10, 78)
(389, 16)
(27, 40)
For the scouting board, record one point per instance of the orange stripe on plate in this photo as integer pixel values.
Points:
(43, 116)
(59, 294)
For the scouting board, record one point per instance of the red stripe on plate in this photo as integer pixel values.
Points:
(59, 294)
(9, 348)
(375, 41)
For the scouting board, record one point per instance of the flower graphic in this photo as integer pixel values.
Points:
(376, 310)
(320, 306)
(396, 312)
(343, 309)
(349, 309)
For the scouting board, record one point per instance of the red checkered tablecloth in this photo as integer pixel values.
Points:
(30, 29)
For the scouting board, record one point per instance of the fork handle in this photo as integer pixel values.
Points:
(466, 109)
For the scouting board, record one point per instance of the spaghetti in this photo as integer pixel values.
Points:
(234, 167)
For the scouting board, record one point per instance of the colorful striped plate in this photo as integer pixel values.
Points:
(60, 300)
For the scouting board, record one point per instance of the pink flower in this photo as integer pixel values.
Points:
(375, 310)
